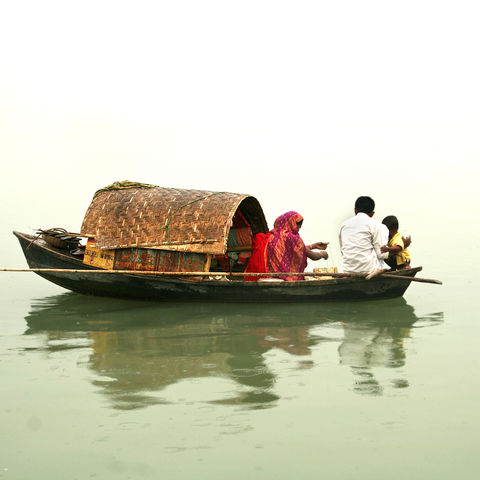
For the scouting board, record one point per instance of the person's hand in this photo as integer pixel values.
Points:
(316, 255)
(318, 246)
(384, 249)
(407, 241)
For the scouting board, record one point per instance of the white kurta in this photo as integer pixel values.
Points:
(360, 240)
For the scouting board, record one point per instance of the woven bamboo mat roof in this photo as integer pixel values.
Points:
(149, 216)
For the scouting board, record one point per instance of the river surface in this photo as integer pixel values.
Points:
(117, 389)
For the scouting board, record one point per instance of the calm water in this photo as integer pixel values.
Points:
(102, 388)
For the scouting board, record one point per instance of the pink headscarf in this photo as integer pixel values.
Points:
(286, 251)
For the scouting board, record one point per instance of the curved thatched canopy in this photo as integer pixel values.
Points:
(137, 215)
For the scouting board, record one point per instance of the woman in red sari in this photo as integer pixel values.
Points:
(282, 249)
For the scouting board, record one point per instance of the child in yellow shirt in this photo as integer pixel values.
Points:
(399, 256)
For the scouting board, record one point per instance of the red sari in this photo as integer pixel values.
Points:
(258, 261)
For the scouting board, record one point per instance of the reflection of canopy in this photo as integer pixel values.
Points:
(137, 356)
(136, 215)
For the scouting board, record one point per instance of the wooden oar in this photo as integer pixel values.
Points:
(411, 279)
(374, 274)
(219, 274)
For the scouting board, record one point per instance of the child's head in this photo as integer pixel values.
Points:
(391, 223)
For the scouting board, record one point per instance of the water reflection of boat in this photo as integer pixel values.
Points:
(137, 349)
(135, 358)
(377, 342)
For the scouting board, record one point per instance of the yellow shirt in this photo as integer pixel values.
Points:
(403, 256)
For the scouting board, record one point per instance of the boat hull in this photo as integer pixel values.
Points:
(40, 255)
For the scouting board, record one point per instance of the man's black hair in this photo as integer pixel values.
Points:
(365, 205)
(391, 222)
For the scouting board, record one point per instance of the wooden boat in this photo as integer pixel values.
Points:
(143, 242)
(40, 255)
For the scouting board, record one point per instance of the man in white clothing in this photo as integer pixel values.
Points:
(361, 238)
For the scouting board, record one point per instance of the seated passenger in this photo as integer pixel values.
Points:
(398, 255)
(282, 249)
(361, 240)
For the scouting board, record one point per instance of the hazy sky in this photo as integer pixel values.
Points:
(303, 104)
